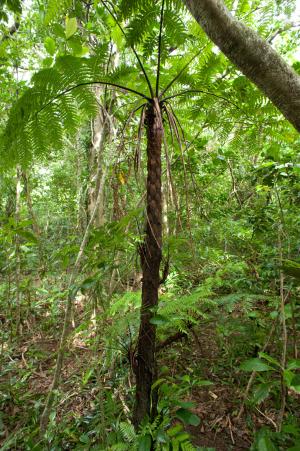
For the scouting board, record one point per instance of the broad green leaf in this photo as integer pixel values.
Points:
(59, 30)
(188, 417)
(270, 359)
(75, 45)
(288, 376)
(185, 378)
(3, 53)
(293, 364)
(261, 392)
(47, 62)
(145, 443)
(182, 437)
(50, 45)
(71, 26)
(295, 383)
(52, 416)
(265, 444)
(89, 282)
(27, 234)
(255, 365)
(161, 436)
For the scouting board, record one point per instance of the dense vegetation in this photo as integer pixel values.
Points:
(149, 231)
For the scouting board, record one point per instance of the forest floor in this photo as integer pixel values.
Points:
(217, 406)
(28, 369)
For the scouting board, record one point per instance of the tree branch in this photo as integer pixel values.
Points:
(255, 57)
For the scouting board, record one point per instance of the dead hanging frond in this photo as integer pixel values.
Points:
(170, 182)
(179, 133)
(173, 125)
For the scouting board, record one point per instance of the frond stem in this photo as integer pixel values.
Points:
(179, 73)
(132, 46)
(199, 91)
(159, 46)
(115, 85)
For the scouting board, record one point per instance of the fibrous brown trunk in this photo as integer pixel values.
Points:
(255, 57)
(151, 254)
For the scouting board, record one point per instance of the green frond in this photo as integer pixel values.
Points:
(142, 24)
(176, 5)
(187, 308)
(128, 7)
(128, 432)
(174, 27)
(58, 100)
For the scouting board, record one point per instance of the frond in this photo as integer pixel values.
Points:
(128, 432)
(187, 308)
(128, 7)
(142, 24)
(175, 28)
(59, 99)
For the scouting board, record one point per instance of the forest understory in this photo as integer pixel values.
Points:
(200, 367)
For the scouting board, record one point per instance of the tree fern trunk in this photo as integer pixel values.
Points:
(150, 259)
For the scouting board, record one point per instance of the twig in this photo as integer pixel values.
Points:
(230, 429)
(267, 418)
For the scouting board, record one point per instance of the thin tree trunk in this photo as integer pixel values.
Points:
(18, 254)
(102, 129)
(151, 254)
(35, 226)
(252, 55)
(27, 189)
